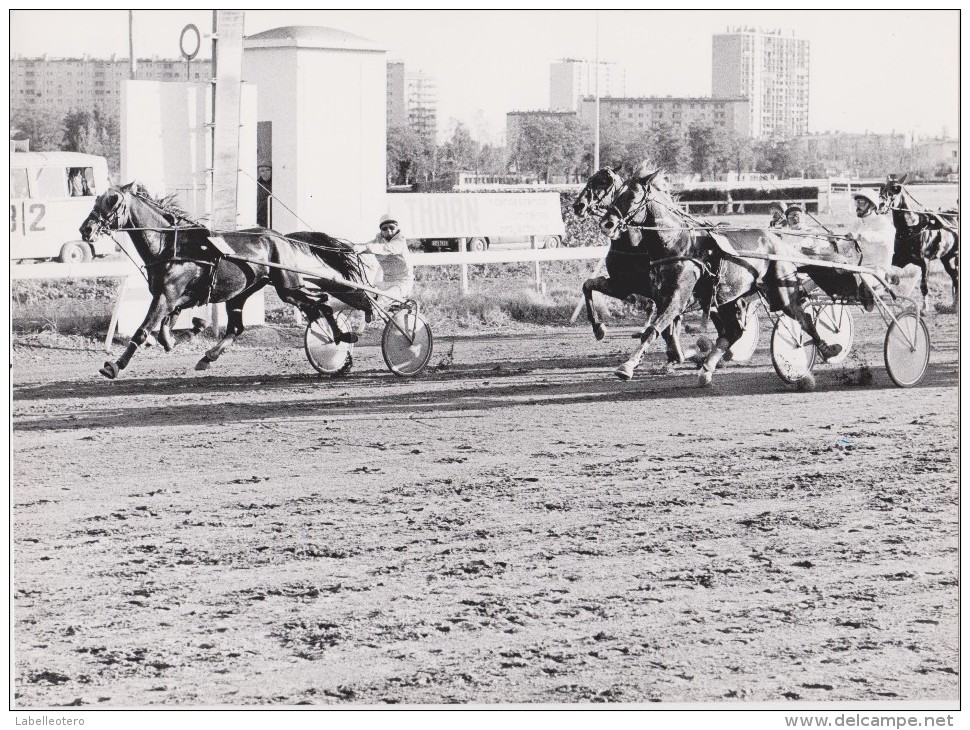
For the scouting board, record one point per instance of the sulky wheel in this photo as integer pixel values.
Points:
(743, 349)
(834, 325)
(407, 342)
(907, 350)
(325, 355)
(792, 350)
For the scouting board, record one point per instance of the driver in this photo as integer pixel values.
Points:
(870, 245)
(390, 247)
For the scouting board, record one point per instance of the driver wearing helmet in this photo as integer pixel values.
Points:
(870, 245)
(390, 247)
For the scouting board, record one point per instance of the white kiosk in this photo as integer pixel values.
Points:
(321, 113)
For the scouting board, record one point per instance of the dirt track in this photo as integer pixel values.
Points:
(516, 526)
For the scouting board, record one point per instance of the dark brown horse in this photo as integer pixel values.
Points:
(184, 269)
(923, 235)
(689, 263)
(629, 273)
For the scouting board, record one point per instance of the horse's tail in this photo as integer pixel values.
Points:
(338, 255)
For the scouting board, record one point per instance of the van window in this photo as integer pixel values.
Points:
(89, 187)
(80, 181)
(18, 184)
(51, 182)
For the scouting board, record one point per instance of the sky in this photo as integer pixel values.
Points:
(879, 70)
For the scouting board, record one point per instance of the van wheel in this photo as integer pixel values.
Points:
(553, 242)
(74, 253)
(477, 244)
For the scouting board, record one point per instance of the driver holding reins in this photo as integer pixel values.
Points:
(869, 245)
(390, 247)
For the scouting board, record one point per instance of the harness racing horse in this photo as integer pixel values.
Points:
(922, 236)
(690, 263)
(184, 269)
(628, 267)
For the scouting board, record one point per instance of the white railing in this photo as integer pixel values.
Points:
(88, 270)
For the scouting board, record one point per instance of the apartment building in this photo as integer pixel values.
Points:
(570, 79)
(731, 115)
(62, 85)
(769, 69)
(412, 101)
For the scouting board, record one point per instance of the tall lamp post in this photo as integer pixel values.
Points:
(596, 87)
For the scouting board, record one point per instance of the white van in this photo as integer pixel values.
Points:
(51, 193)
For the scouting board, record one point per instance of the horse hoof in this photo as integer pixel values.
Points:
(624, 372)
(829, 351)
(203, 364)
(348, 364)
(599, 332)
(110, 370)
(704, 344)
(704, 378)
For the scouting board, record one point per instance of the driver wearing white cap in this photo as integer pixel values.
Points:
(391, 249)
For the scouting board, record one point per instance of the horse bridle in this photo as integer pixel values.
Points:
(595, 206)
(624, 220)
(112, 220)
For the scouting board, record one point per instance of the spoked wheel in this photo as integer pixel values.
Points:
(406, 343)
(792, 350)
(325, 355)
(743, 349)
(907, 350)
(834, 325)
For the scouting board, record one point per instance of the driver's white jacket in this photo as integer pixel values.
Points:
(876, 236)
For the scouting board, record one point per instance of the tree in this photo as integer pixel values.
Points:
(707, 150)
(461, 151)
(44, 129)
(490, 160)
(547, 143)
(667, 145)
(784, 158)
(407, 155)
(574, 144)
(738, 153)
(93, 133)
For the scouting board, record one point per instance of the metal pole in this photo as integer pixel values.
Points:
(463, 268)
(596, 138)
(213, 308)
(131, 45)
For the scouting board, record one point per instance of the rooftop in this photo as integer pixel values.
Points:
(310, 36)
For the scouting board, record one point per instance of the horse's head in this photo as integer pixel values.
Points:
(598, 193)
(112, 210)
(890, 193)
(631, 204)
(892, 198)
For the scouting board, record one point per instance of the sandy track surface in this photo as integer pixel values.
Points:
(515, 525)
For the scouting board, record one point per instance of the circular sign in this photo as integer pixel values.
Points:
(190, 28)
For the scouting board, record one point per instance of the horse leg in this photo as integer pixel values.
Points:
(950, 266)
(679, 282)
(727, 322)
(234, 328)
(924, 285)
(165, 330)
(604, 286)
(156, 312)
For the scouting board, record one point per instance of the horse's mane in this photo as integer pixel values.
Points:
(169, 204)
